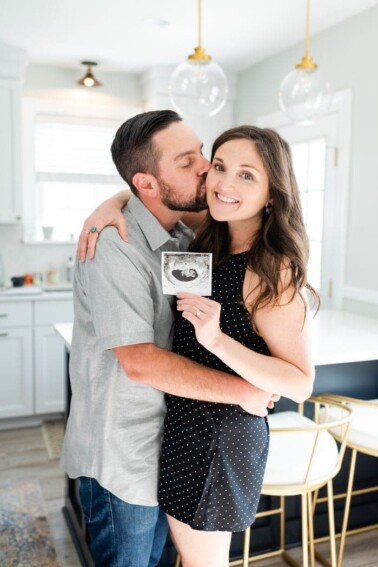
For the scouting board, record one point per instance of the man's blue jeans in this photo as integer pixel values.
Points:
(121, 534)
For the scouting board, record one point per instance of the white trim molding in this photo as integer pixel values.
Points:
(361, 294)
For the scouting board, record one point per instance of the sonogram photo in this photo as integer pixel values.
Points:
(186, 271)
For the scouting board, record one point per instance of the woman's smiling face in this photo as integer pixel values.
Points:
(237, 184)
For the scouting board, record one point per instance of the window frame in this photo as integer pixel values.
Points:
(33, 107)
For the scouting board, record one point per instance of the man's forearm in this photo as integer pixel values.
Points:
(175, 374)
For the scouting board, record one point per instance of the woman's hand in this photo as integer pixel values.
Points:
(260, 402)
(107, 214)
(204, 314)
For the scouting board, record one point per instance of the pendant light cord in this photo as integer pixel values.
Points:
(200, 23)
(307, 41)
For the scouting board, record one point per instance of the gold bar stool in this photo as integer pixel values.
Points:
(303, 457)
(363, 438)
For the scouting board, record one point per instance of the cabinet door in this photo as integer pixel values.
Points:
(10, 150)
(16, 372)
(49, 371)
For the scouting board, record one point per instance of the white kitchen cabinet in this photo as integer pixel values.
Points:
(32, 357)
(12, 67)
(16, 356)
(49, 371)
(16, 384)
(50, 355)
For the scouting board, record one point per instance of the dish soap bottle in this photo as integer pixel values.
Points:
(70, 269)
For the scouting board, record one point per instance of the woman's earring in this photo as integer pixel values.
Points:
(268, 208)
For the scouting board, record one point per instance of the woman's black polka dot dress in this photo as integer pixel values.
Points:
(214, 455)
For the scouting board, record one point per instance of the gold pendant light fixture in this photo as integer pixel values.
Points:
(198, 86)
(89, 79)
(304, 93)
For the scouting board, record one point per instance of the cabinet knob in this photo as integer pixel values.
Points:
(4, 334)
(3, 314)
(18, 218)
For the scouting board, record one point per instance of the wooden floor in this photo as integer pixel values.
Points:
(360, 551)
(23, 456)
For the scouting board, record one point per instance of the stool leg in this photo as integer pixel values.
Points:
(304, 531)
(311, 530)
(247, 539)
(347, 506)
(315, 499)
(331, 521)
(282, 523)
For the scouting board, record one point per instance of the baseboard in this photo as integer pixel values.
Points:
(361, 294)
(28, 421)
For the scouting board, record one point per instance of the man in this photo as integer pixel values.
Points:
(120, 363)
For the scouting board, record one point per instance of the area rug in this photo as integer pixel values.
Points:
(25, 538)
(53, 433)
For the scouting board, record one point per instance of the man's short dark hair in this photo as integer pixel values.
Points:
(133, 149)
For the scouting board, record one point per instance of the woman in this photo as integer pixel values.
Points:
(254, 325)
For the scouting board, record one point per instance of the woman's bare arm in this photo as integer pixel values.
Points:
(288, 371)
(107, 214)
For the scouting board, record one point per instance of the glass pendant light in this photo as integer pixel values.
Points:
(198, 86)
(89, 79)
(304, 93)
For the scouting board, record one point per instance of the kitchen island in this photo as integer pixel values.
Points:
(345, 352)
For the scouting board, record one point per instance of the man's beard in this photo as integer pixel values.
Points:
(170, 199)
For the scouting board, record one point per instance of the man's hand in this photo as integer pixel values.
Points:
(259, 402)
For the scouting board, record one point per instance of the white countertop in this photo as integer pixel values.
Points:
(64, 330)
(31, 293)
(338, 337)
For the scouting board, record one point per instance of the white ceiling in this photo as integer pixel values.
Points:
(119, 34)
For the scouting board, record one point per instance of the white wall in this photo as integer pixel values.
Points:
(20, 259)
(48, 82)
(346, 54)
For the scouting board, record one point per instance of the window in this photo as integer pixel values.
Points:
(69, 169)
(309, 161)
(321, 161)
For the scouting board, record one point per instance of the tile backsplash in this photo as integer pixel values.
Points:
(20, 258)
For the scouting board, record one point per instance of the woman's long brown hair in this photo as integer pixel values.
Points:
(281, 240)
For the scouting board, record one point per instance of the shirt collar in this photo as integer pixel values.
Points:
(155, 234)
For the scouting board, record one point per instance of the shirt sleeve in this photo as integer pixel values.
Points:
(119, 296)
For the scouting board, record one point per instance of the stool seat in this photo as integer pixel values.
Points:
(363, 433)
(290, 455)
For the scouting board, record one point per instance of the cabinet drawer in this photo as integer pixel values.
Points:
(54, 311)
(16, 314)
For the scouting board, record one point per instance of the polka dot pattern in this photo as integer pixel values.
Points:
(214, 455)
